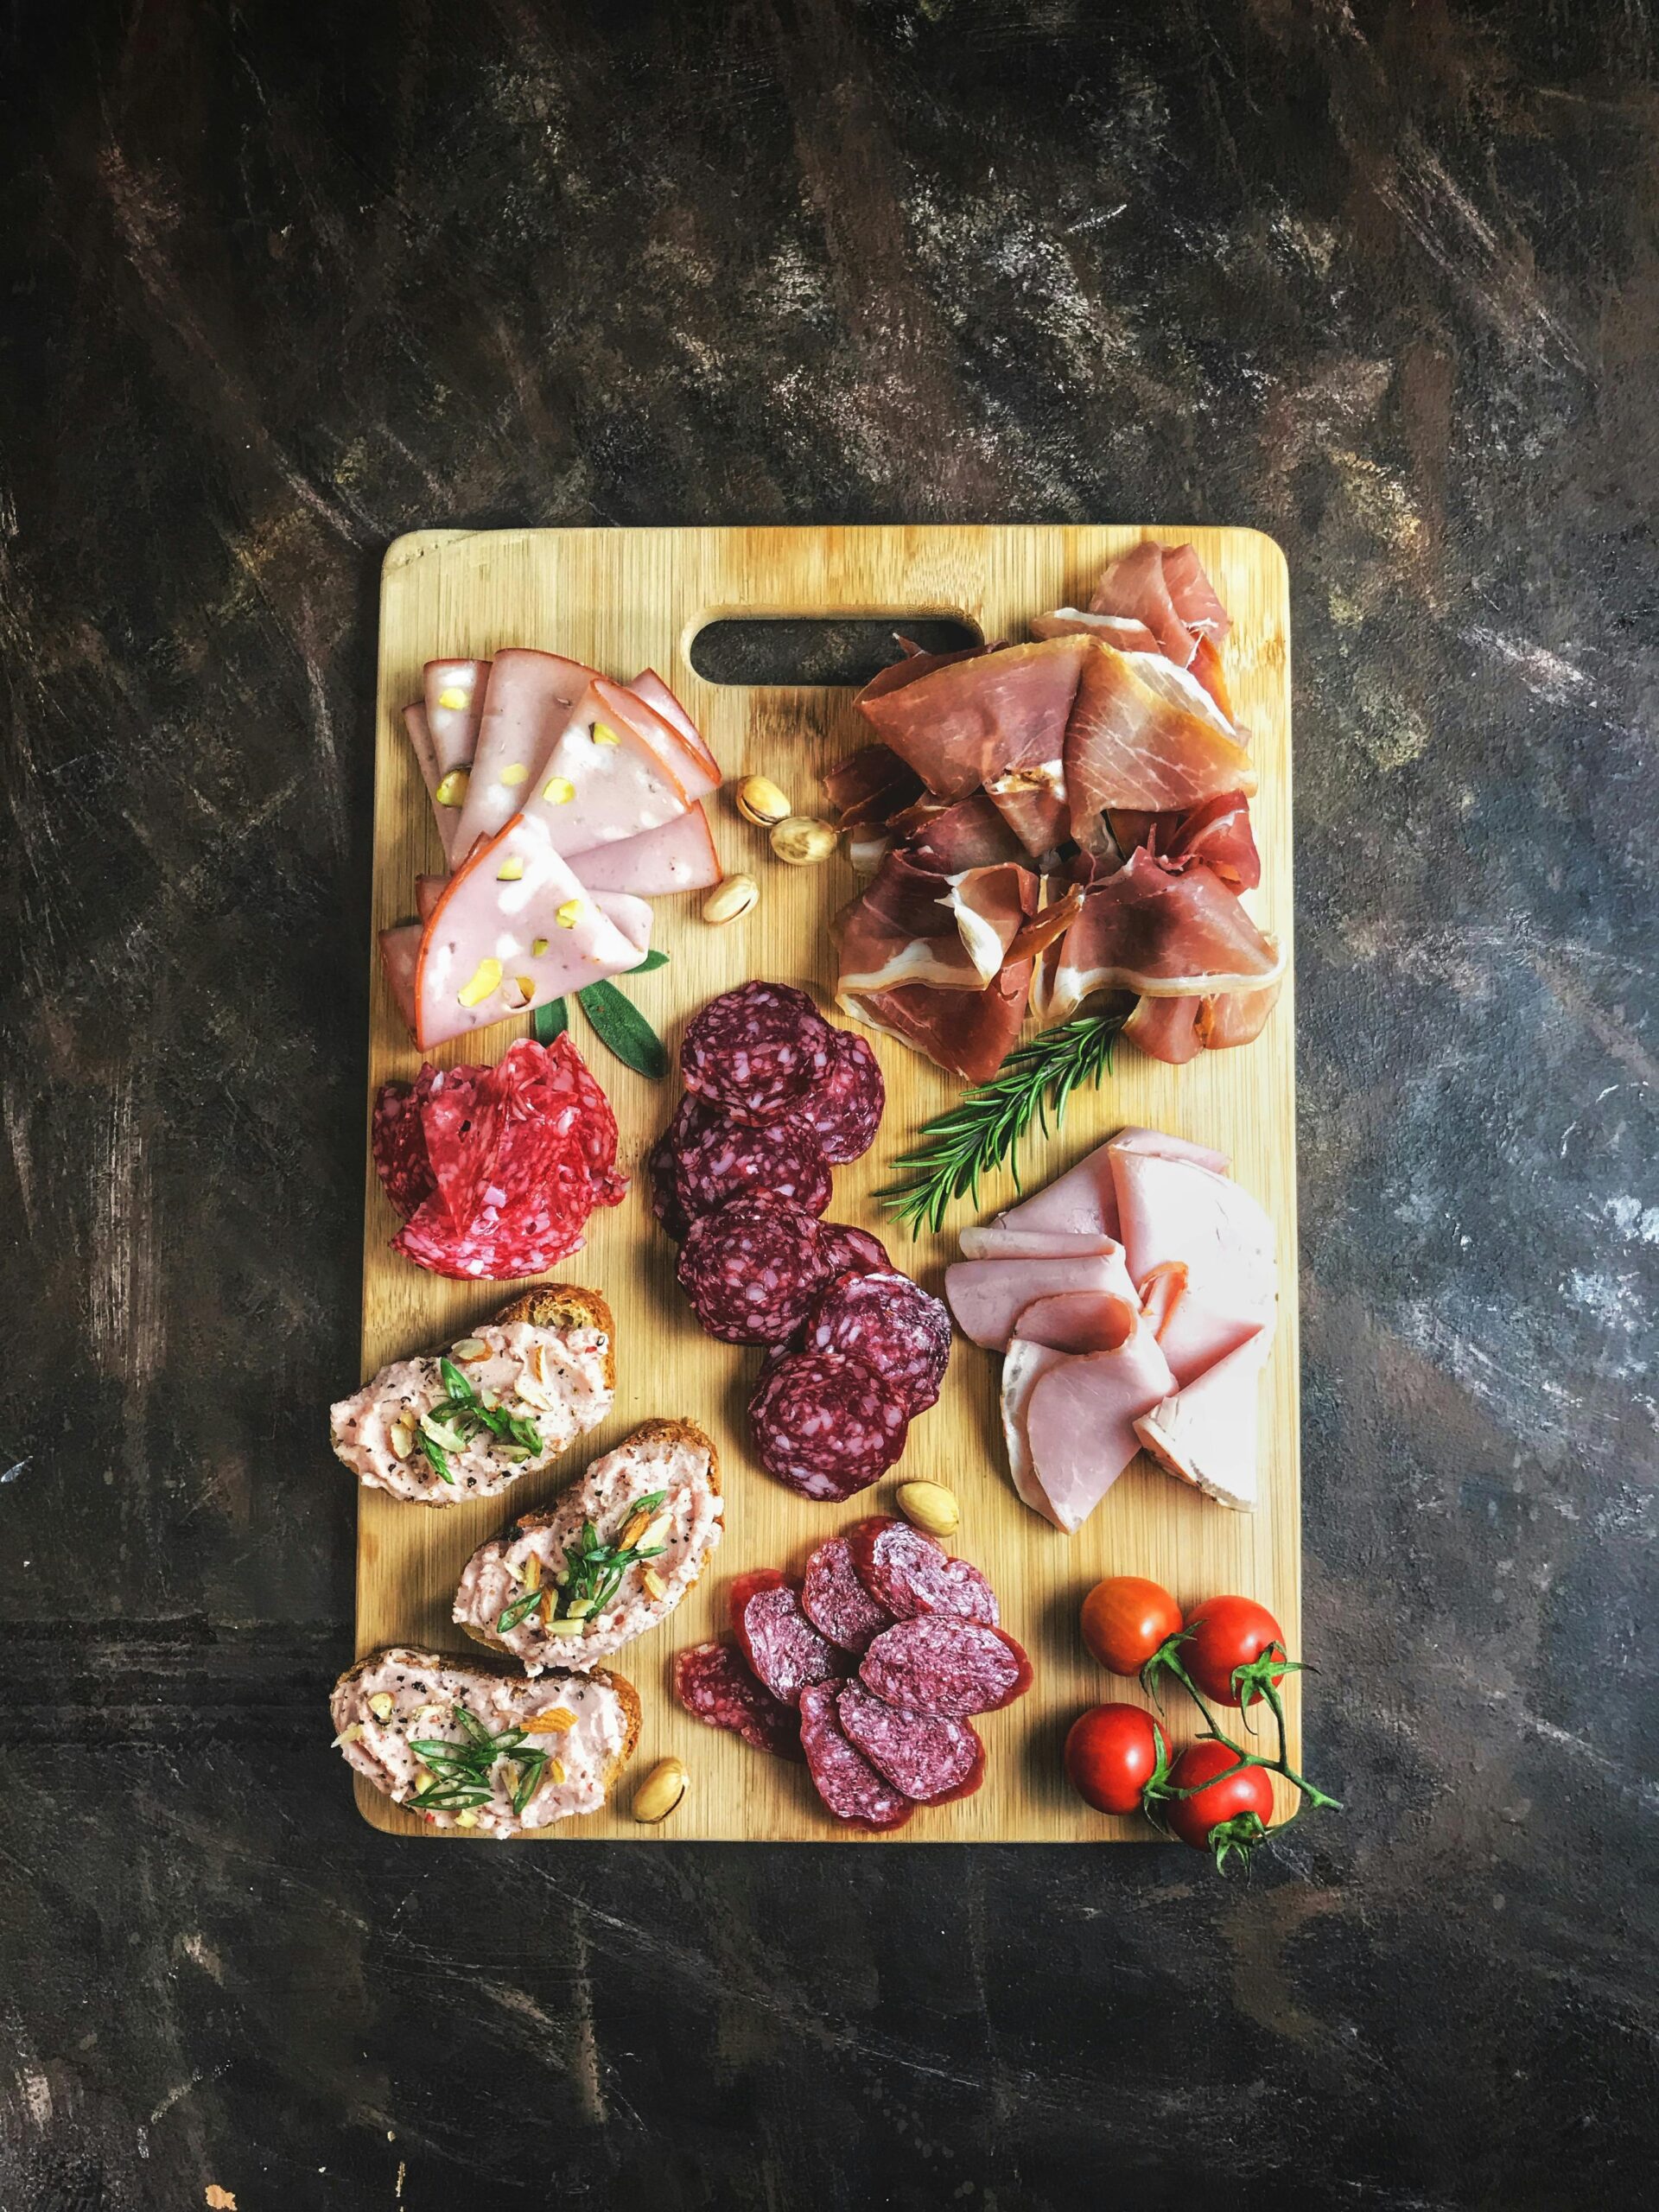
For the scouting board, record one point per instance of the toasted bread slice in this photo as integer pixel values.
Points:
(565, 1306)
(671, 1457)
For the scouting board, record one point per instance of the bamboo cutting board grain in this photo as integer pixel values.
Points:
(623, 599)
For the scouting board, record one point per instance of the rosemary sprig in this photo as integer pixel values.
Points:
(983, 1128)
(459, 1417)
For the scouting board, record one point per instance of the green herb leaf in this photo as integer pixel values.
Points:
(984, 1128)
(455, 1383)
(649, 964)
(520, 1610)
(621, 1026)
(549, 1022)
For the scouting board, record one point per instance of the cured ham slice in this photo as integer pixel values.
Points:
(1206, 1432)
(871, 787)
(513, 929)
(429, 889)
(916, 925)
(1238, 1017)
(1033, 804)
(420, 744)
(1120, 630)
(989, 1296)
(970, 834)
(1178, 1210)
(1217, 833)
(1165, 588)
(1079, 1374)
(1143, 735)
(526, 702)
(967, 1033)
(1177, 1030)
(600, 781)
(1166, 932)
(677, 856)
(966, 720)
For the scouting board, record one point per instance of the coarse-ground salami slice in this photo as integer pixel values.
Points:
(890, 1322)
(843, 1777)
(929, 1757)
(713, 1684)
(940, 1665)
(826, 1425)
(786, 1651)
(756, 1051)
(911, 1575)
(732, 1158)
(836, 1602)
(844, 1110)
(397, 1139)
(692, 1118)
(751, 1270)
(850, 1251)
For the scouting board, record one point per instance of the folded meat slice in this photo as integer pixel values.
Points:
(1238, 1017)
(1083, 1203)
(1033, 802)
(917, 925)
(1165, 588)
(967, 1033)
(1178, 1209)
(602, 779)
(1078, 1377)
(989, 1296)
(964, 721)
(1217, 833)
(452, 692)
(999, 1240)
(649, 687)
(1177, 1030)
(1143, 735)
(525, 703)
(514, 928)
(420, 744)
(687, 762)
(1206, 1432)
(1162, 931)
(969, 833)
(1120, 630)
(871, 785)
(676, 856)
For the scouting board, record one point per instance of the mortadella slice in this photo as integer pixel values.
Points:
(420, 744)
(649, 687)
(1206, 1432)
(601, 781)
(453, 694)
(526, 702)
(988, 1296)
(1079, 1418)
(691, 766)
(1176, 1208)
(400, 955)
(513, 929)
(679, 856)
(632, 916)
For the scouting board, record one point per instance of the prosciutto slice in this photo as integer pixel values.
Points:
(967, 1033)
(1078, 1375)
(1177, 1030)
(871, 787)
(916, 925)
(1166, 932)
(1164, 588)
(526, 702)
(1143, 735)
(966, 720)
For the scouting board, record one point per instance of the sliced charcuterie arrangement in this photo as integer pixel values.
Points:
(869, 1667)
(775, 1097)
(1133, 1302)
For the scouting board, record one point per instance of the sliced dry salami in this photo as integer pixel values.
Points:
(713, 1684)
(826, 1425)
(691, 1120)
(851, 1251)
(751, 1270)
(835, 1601)
(910, 1575)
(929, 1757)
(786, 1651)
(732, 1158)
(756, 1051)
(844, 1110)
(843, 1777)
(950, 1668)
(890, 1322)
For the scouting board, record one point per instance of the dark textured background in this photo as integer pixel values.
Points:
(1380, 279)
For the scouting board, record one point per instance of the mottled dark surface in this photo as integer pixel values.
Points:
(1382, 280)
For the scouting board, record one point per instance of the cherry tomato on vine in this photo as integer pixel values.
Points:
(1223, 1633)
(1111, 1753)
(1227, 1817)
(1125, 1618)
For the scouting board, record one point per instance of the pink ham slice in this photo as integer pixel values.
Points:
(1084, 1201)
(600, 781)
(1069, 1404)
(400, 954)
(420, 744)
(651, 688)
(999, 1240)
(526, 702)
(1143, 735)
(1178, 1209)
(483, 936)
(989, 1296)
(630, 916)
(1205, 1433)
(677, 856)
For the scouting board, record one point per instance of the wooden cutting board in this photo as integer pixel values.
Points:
(623, 599)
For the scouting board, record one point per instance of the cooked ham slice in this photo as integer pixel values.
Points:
(1001, 1240)
(1079, 1374)
(1165, 932)
(989, 1296)
(1058, 1328)
(526, 702)
(1143, 735)
(1164, 588)
(965, 719)
(1178, 1210)
(1205, 1433)
(967, 1033)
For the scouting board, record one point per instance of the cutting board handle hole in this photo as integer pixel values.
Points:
(813, 649)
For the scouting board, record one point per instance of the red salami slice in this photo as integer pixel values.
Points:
(845, 1109)
(751, 1270)
(786, 1651)
(851, 1251)
(843, 1777)
(826, 1425)
(756, 1051)
(732, 1158)
(892, 1324)
(929, 1758)
(835, 1601)
(692, 1118)
(910, 1575)
(948, 1668)
(713, 1684)
(397, 1139)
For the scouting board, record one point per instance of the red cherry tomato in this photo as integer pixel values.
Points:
(1196, 1819)
(1111, 1754)
(1223, 1633)
(1125, 1618)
